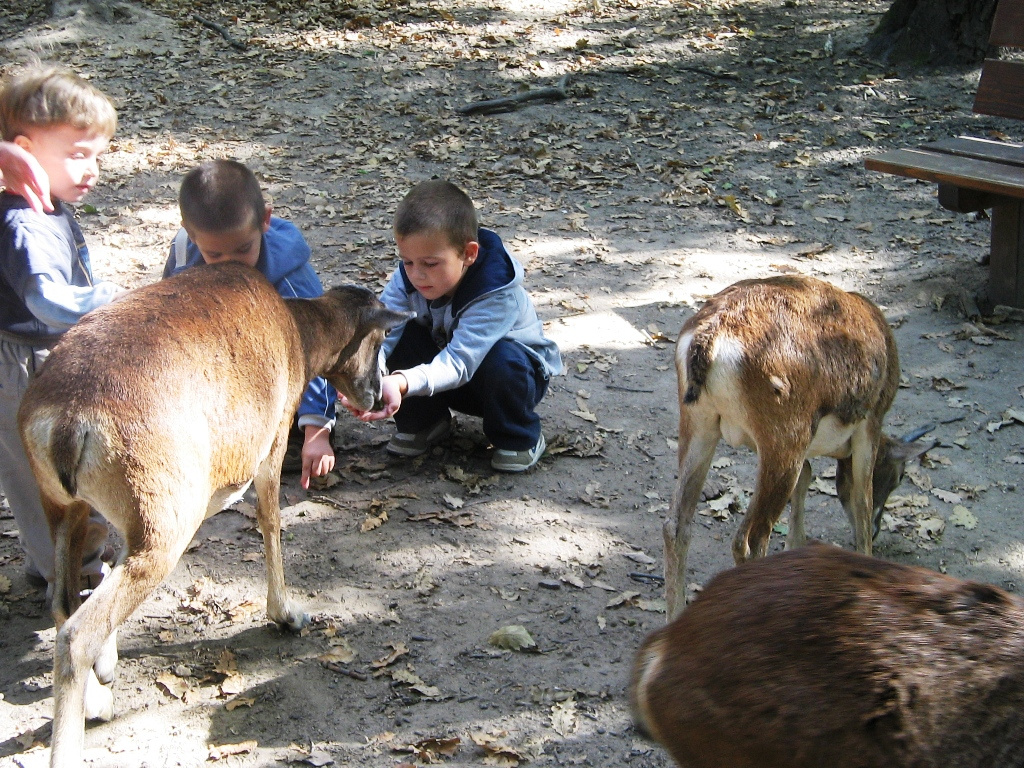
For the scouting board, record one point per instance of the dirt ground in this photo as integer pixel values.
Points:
(702, 142)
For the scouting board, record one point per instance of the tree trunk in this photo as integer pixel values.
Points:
(933, 32)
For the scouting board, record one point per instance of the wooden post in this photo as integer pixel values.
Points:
(1006, 264)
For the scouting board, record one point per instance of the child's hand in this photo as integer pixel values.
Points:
(317, 454)
(22, 174)
(392, 388)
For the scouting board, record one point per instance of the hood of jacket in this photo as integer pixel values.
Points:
(492, 271)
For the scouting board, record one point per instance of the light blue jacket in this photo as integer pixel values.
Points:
(489, 304)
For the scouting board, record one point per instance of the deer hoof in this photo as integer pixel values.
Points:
(106, 661)
(99, 701)
(293, 619)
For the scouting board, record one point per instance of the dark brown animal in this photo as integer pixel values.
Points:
(159, 410)
(825, 658)
(791, 367)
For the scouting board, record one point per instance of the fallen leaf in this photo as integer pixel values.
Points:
(626, 598)
(947, 496)
(564, 719)
(232, 685)
(495, 752)
(172, 684)
(963, 517)
(227, 750)
(930, 527)
(429, 750)
(398, 649)
(513, 637)
(640, 557)
(341, 653)
(373, 521)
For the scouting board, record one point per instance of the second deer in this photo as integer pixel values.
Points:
(791, 367)
(825, 658)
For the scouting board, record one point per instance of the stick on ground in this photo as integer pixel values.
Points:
(232, 41)
(556, 92)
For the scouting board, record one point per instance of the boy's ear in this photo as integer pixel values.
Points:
(266, 217)
(23, 141)
(470, 252)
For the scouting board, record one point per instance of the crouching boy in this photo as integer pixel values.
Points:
(475, 346)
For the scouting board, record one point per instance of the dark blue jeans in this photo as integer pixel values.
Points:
(504, 391)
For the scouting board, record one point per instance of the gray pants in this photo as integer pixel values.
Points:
(18, 363)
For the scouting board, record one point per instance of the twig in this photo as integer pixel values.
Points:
(621, 388)
(556, 92)
(648, 577)
(335, 667)
(232, 41)
(645, 69)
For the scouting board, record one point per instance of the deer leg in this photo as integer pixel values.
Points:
(698, 436)
(280, 608)
(86, 635)
(797, 535)
(68, 526)
(777, 475)
(73, 534)
(861, 508)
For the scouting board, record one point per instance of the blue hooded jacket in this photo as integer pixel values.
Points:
(284, 261)
(489, 304)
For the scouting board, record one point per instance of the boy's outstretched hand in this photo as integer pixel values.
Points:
(392, 389)
(317, 454)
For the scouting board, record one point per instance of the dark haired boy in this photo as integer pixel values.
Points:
(225, 217)
(476, 344)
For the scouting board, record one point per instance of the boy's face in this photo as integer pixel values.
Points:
(241, 244)
(433, 264)
(70, 157)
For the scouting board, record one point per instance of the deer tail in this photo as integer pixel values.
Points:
(698, 359)
(67, 442)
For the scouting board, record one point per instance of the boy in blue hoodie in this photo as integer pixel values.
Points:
(475, 345)
(224, 217)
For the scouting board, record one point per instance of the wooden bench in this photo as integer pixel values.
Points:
(976, 174)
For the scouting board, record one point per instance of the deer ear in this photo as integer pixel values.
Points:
(913, 450)
(387, 319)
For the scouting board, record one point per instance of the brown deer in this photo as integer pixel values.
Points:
(791, 367)
(159, 410)
(821, 657)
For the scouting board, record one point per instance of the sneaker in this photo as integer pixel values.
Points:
(518, 461)
(412, 444)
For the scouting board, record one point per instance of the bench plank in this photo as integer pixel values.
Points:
(942, 168)
(980, 149)
(1001, 89)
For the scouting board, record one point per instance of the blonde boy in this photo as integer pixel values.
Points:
(46, 282)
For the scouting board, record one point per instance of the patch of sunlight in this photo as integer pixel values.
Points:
(163, 214)
(1011, 557)
(606, 330)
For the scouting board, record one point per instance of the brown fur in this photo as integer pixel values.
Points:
(773, 358)
(823, 657)
(155, 410)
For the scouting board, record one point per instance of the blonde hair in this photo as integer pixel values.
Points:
(40, 96)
